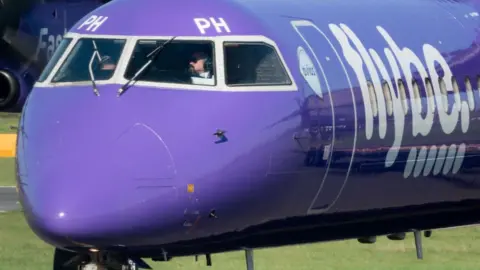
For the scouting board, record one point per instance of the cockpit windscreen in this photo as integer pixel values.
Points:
(180, 62)
(99, 55)
(56, 56)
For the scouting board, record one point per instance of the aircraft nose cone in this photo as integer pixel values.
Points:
(105, 187)
(64, 222)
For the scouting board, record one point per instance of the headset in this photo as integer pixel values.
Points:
(208, 64)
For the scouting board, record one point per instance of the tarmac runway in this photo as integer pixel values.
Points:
(8, 199)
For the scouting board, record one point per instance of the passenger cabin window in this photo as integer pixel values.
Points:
(430, 95)
(443, 91)
(469, 90)
(403, 96)
(180, 61)
(253, 64)
(53, 61)
(99, 55)
(388, 97)
(373, 98)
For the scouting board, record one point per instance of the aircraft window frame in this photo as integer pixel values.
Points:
(478, 85)
(131, 41)
(403, 95)
(75, 38)
(177, 40)
(219, 63)
(88, 80)
(443, 93)
(51, 66)
(430, 94)
(417, 100)
(456, 92)
(283, 66)
(388, 97)
(373, 98)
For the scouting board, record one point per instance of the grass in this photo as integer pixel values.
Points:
(7, 173)
(449, 249)
(7, 166)
(7, 120)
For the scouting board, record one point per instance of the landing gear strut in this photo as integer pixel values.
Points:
(418, 241)
(418, 244)
(249, 259)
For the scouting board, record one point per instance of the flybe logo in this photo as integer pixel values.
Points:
(390, 99)
(383, 83)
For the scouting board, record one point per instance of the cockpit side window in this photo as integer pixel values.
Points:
(105, 54)
(56, 56)
(253, 64)
(180, 62)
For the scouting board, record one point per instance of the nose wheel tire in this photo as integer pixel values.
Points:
(67, 260)
(61, 258)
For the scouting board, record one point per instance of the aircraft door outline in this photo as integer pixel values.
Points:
(297, 25)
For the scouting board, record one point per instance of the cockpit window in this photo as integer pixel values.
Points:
(180, 61)
(253, 64)
(104, 54)
(56, 56)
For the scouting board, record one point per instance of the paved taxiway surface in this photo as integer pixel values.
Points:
(8, 199)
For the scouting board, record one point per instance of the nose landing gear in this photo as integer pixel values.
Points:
(94, 260)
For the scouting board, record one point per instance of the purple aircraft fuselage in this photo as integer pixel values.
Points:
(315, 121)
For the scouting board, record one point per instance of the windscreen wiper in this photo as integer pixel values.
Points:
(151, 57)
(90, 68)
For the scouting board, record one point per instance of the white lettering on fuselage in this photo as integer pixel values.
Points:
(422, 119)
(48, 43)
(93, 23)
(219, 24)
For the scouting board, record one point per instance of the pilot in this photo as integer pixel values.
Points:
(201, 69)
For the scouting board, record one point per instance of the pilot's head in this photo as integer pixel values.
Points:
(200, 63)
